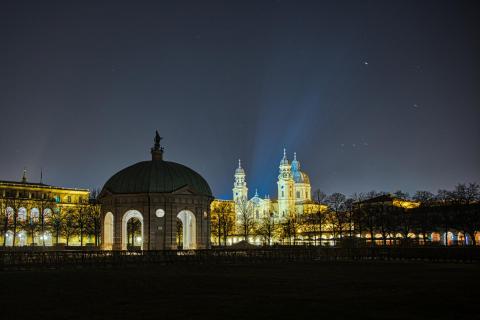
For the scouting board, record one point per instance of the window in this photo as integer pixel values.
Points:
(22, 214)
(57, 199)
(298, 194)
(69, 199)
(283, 194)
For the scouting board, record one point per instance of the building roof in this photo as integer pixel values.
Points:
(36, 185)
(156, 176)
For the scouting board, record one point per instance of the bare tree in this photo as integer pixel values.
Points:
(69, 224)
(290, 229)
(246, 220)
(4, 219)
(422, 215)
(267, 228)
(336, 205)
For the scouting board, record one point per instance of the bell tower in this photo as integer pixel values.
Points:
(240, 190)
(285, 183)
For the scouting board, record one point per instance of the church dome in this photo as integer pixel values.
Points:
(156, 176)
(300, 177)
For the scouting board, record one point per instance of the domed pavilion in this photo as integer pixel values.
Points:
(156, 205)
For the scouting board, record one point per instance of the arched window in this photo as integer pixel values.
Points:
(22, 214)
(34, 215)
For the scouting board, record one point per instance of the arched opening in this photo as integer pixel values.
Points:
(436, 237)
(449, 239)
(461, 239)
(187, 225)
(108, 231)
(22, 238)
(9, 238)
(22, 215)
(132, 230)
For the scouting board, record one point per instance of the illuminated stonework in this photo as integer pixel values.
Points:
(294, 195)
(28, 211)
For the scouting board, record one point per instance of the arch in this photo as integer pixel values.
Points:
(34, 215)
(9, 238)
(461, 238)
(189, 226)
(436, 237)
(22, 238)
(47, 214)
(22, 214)
(108, 231)
(449, 238)
(46, 238)
(126, 217)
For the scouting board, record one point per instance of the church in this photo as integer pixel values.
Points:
(294, 193)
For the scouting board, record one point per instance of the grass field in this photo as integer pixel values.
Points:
(326, 290)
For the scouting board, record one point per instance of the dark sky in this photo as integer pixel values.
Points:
(378, 95)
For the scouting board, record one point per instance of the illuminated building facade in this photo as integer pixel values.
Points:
(28, 211)
(294, 192)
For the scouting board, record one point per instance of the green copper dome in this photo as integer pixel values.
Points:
(157, 176)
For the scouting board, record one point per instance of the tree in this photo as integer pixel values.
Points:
(246, 220)
(290, 229)
(16, 204)
(69, 219)
(422, 216)
(466, 218)
(267, 228)
(336, 205)
(313, 223)
(4, 219)
(45, 206)
(82, 219)
(402, 195)
(223, 220)
(55, 223)
(93, 221)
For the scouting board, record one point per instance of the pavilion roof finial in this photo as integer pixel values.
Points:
(157, 150)
(239, 164)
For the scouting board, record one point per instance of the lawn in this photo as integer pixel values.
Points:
(326, 290)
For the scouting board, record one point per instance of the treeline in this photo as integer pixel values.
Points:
(373, 217)
(43, 222)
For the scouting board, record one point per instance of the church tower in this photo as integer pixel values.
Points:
(240, 190)
(286, 200)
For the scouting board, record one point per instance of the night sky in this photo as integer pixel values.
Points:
(380, 95)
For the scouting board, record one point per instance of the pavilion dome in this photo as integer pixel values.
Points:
(157, 176)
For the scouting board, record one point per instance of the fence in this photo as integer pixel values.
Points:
(61, 259)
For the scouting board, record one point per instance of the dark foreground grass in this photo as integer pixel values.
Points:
(327, 290)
